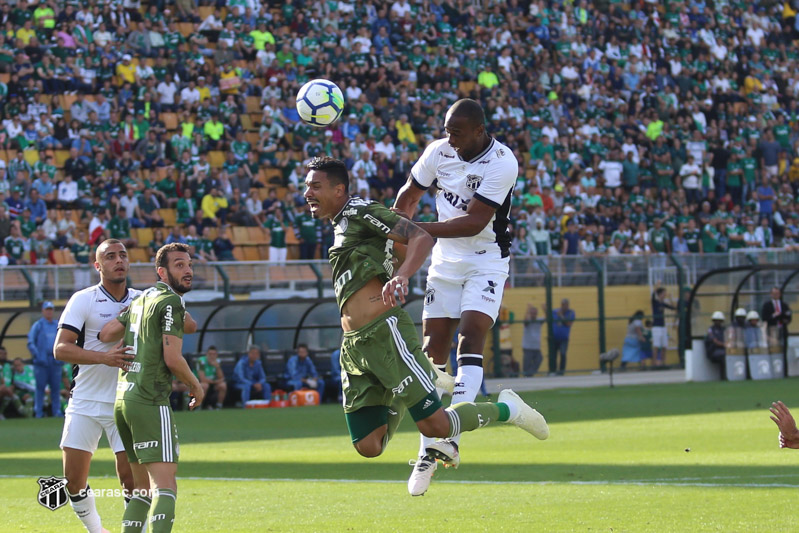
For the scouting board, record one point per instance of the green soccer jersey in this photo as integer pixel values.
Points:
(308, 227)
(692, 240)
(658, 239)
(208, 369)
(361, 250)
(158, 311)
(277, 231)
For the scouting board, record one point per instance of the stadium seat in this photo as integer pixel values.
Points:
(139, 255)
(185, 28)
(251, 253)
(240, 235)
(263, 253)
(238, 253)
(60, 157)
(253, 104)
(246, 122)
(170, 216)
(257, 235)
(216, 158)
(142, 235)
(170, 121)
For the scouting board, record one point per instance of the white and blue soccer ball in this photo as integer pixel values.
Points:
(320, 103)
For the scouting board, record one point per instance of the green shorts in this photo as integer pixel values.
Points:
(383, 362)
(148, 432)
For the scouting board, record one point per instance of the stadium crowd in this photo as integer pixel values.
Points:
(639, 127)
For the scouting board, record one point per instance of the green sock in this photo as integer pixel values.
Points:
(135, 516)
(163, 515)
(467, 416)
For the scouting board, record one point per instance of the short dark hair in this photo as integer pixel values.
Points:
(302, 345)
(105, 244)
(162, 256)
(469, 109)
(212, 347)
(334, 169)
(660, 290)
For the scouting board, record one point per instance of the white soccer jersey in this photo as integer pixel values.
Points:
(86, 313)
(489, 177)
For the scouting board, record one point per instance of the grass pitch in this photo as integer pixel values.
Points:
(682, 458)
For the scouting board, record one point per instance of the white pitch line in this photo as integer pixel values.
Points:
(675, 482)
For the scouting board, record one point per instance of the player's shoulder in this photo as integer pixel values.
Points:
(440, 148)
(498, 154)
(356, 207)
(88, 294)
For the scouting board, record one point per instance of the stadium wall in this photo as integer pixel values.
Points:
(583, 354)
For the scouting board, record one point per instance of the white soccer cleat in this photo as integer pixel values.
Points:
(421, 476)
(446, 451)
(443, 380)
(528, 418)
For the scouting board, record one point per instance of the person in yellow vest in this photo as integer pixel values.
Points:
(44, 16)
(404, 130)
(187, 125)
(229, 81)
(214, 206)
(213, 130)
(126, 70)
(205, 91)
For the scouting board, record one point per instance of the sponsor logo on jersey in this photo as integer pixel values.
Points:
(135, 367)
(343, 224)
(441, 173)
(429, 296)
(342, 280)
(473, 181)
(349, 212)
(427, 403)
(132, 523)
(125, 386)
(168, 320)
(500, 152)
(448, 156)
(480, 252)
(101, 301)
(490, 287)
(401, 387)
(455, 200)
(374, 222)
(146, 444)
(484, 162)
(106, 315)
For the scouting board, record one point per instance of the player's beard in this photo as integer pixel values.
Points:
(176, 284)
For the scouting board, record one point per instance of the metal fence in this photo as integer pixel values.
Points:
(313, 279)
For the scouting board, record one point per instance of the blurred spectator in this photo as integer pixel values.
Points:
(633, 340)
(660, 335)
(562, 320)
(249, 377)
(531, 341)
(46, 368)
(211, 377)
(301, 372)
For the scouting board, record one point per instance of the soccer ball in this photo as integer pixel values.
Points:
(320, 103)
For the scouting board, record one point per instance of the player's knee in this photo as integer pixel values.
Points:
(369, 447)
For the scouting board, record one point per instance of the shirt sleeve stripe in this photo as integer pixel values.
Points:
(70, 328)
(417, 184)
(486, 201)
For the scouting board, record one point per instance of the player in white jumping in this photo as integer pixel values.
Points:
(475, 175)
(91, 404)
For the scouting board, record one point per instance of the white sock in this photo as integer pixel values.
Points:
(427, 441)
(467, 382)
(86, 509)
(514, 411)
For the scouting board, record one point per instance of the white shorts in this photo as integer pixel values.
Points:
(660, 337)
(84, 422)
(455, 286)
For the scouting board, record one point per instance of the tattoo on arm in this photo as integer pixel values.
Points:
(404, 229)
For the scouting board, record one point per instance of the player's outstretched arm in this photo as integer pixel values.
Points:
(477, 217)
(789, 434)
(68, 351)
(173, 357)
(408, 198)
(112, 331)
(420, 243)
